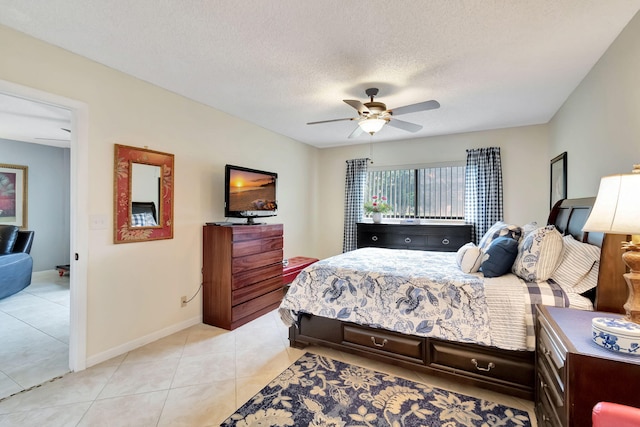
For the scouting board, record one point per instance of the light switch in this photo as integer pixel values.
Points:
(98, 222)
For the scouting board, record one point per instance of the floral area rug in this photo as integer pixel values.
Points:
(318, 391)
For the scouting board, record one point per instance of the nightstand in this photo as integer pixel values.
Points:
(573, 373)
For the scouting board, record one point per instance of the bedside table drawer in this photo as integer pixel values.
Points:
(546, 412)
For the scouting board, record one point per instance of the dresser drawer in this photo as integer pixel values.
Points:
(272, 298)
(250, 247)
(373, 239)
(249, 277)
(392, 240)
(446, 242)
(253, 232)
(247, 293)
(406, 240)
(258, 260)
(491, 364)
(385, 342)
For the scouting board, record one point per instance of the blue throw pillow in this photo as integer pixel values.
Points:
(499, 257)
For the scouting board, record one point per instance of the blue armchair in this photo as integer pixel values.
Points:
(16, 265)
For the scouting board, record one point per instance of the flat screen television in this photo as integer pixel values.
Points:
(249, 193)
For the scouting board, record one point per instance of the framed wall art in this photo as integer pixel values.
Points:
(558, 178)
(13, 195)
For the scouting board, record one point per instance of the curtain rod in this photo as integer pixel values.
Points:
(366, 158)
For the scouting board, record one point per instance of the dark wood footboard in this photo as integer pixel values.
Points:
(504, 371)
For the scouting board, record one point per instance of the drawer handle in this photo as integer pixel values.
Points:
(490, 366)
(445, 241)
(384, 342)
(374, 238)
(407, 240)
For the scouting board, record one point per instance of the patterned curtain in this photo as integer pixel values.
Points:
(483, 189)
(353, 200)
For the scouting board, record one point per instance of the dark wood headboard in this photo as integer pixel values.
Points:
(569, 216)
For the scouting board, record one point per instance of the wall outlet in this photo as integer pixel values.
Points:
(183, 301)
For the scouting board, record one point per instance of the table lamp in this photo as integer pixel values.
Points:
(617, 210)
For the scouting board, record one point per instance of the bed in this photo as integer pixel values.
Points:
(466, 333)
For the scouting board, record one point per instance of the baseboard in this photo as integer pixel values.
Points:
(132, 345)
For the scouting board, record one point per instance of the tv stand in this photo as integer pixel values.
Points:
(250, 221)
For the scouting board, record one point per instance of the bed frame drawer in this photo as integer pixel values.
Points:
(385, 342)
(484, 363)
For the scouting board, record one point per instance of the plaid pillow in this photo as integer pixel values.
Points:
(144, 219)
(138, 220)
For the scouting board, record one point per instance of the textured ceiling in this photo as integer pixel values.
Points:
(283, 63)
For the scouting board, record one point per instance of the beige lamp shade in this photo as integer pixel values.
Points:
(617, 206)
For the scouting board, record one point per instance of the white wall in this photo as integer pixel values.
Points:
(48, 199)
(525, 170)
(134, 289)
(599, 124)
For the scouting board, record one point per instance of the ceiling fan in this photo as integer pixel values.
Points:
(373, 115)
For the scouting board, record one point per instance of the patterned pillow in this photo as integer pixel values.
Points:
(499, 258)
(528, 228)
(499, 229)
(577, 261)
(469, 258)
(539, 254)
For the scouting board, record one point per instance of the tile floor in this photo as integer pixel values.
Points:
(195, 377)
(34, 333)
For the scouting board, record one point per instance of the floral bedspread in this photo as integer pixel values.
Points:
(413, 292)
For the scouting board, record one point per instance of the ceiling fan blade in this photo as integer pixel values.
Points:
(333, 120)
(356, 132)
(401, 124)
(421, 106)
(357, 105)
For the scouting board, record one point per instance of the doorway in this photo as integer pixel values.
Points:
(77, 209)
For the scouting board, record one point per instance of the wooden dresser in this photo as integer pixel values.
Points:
(573, 373)
(241, 271)
(427, 237)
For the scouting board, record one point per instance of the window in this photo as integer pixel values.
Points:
(435, 192)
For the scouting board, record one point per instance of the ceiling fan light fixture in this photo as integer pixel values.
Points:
(372, 126)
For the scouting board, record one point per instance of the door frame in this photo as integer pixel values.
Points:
(79, 218)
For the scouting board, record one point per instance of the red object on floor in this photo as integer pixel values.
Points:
(295, 266)
(607, 414)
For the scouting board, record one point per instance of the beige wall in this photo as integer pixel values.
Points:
(134, 289)
(599, 125)
(525, 169)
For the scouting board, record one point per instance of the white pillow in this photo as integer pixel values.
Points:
(577, 260)
(539, 254)
(589, 281)
(469, 258)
